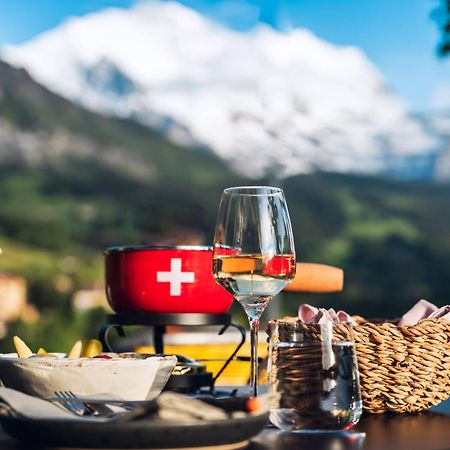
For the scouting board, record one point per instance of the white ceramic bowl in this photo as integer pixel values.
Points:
(129, 378)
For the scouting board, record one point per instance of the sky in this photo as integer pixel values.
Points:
(399, 36)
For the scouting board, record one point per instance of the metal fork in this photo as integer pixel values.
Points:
(100, 407)
(74, 404)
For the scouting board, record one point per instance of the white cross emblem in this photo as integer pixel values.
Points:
(175, 277)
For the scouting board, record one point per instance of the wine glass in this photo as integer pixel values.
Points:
(254, 255)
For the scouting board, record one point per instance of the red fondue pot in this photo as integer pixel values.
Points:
(163, 280)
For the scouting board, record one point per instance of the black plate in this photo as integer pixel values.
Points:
(134, 434)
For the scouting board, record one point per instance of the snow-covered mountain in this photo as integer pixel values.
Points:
(268, 102)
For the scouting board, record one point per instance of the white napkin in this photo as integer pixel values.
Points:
(172, 406)
(423, 310)
(444, 311)
(32, 407)
(311, 314)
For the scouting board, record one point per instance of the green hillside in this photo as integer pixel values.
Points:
(391, 238)
(73, 182)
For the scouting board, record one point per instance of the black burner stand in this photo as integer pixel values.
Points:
(159, 321)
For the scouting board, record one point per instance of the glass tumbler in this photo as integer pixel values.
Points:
(313, 377)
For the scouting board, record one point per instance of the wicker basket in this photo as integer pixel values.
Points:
(402, 369)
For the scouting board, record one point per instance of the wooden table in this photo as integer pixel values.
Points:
(426, 431)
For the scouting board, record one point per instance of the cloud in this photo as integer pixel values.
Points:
(441, 96)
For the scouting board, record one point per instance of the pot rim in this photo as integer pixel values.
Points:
(133, 248)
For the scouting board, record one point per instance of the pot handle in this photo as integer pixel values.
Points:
(316, 278)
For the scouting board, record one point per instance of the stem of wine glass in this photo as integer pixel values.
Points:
(254, 307)
(254, 329)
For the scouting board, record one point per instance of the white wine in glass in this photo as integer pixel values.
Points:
(254, 255)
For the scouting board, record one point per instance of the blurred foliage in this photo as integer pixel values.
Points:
(56, 331)
(441, 15)
(391, 238)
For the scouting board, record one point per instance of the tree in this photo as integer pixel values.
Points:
(442, 16)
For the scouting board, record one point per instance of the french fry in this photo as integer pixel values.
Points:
(75, 351)
(93, 348)
(22, 349)
(41, 351)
